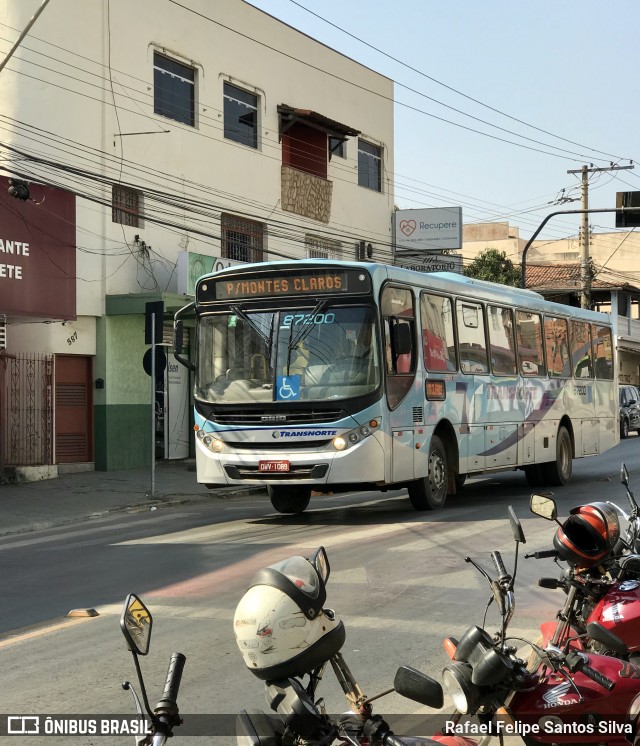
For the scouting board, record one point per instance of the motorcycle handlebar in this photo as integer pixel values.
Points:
(542, 554)
(379, 734)
(596, 676)
(496, 558)
(169, 702)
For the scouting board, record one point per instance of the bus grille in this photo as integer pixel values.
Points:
(297, 417)
(280, 445)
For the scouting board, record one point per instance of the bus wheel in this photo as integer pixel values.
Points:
(289, 499)
(430, 492)
(624, 428)
(558, 472)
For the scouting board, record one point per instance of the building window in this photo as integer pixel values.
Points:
(242, 240)
(125, 206)
(337, 147)
(318, 247)
(369, 166)
(240, 116)
(173, 89)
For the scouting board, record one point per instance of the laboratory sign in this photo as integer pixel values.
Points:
(38, 253)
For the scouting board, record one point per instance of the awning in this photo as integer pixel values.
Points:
(288, 116)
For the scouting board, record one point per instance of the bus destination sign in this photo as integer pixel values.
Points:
(308, 283)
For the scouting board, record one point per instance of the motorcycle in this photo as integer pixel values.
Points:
(157, 724)
(301, 716)
(608, 593)
(551, 698)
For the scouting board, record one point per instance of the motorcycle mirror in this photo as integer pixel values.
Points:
(544, 506)
(321, 563)
(135, 623)
(600, 633)
(624, 474)
(516, 526)
(418, 687)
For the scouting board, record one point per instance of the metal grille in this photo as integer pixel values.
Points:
(322, 248)
(125, 206)
(3, 332)
(417, 415)
(242, 417)
(242, 240)
(26, 410)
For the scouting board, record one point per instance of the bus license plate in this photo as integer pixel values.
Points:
(273, 466)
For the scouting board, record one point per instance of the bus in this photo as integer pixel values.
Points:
(328, 376)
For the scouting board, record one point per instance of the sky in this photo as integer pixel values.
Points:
(565, 68)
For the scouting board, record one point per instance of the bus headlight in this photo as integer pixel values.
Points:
(215, 445)
(339, 443)
(355, 436)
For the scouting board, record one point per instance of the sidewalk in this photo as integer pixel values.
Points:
(29, 506)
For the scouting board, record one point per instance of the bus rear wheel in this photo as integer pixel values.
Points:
(430, 492)
(558, 472)
(288, 499)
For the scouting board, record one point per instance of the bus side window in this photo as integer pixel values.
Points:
(472, 344)
(399, 342)
(438, 342)
(502, 345)
(556, 340)
(603, 352)
(581, 349)
(529, 335)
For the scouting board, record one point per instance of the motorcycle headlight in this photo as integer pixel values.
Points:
(456, 681)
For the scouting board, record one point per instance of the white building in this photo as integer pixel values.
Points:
(197, 130)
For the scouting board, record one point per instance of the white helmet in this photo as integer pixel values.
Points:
(281, 628)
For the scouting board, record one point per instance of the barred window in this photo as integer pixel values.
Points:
(242, 240)
(125, 206)
(318, 247)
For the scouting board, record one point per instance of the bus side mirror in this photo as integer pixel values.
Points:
(402, 342)
(178, 341)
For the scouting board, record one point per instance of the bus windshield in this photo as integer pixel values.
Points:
(329, 352)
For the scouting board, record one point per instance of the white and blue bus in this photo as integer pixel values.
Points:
(325, 376)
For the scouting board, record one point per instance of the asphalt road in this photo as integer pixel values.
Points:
(398, 581)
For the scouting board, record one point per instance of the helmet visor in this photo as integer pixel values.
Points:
(301, 573)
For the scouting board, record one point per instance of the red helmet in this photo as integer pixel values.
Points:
(588, 535)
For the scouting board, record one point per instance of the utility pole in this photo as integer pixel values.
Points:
(585, 263)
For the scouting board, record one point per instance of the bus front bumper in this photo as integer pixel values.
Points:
(364, 461)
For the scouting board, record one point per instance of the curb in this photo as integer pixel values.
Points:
(159, 502)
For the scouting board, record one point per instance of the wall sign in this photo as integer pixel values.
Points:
(38, 253)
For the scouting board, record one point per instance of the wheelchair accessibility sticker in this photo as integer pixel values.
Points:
(288, 387)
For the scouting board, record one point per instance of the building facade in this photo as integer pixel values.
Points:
(158, 141)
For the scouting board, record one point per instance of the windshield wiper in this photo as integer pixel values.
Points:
(248, 320)
(304, 331)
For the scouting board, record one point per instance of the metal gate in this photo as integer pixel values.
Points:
(26, 409)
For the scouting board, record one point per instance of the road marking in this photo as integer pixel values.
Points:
(423, 626)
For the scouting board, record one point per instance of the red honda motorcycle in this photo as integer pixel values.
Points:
(605, 590)
(562, 694)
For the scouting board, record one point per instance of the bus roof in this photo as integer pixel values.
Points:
(446, 282)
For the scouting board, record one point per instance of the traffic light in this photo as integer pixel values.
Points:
(19, 189)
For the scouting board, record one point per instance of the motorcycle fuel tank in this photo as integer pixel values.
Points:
(619, 612)
(594, 716)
